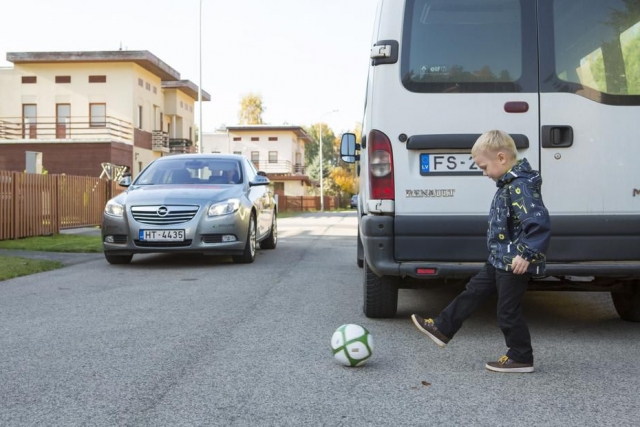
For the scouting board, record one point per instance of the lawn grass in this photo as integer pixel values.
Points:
(11, 267)
(56, 243)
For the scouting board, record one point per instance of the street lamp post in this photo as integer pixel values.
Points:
(321, 165)
(200, 141)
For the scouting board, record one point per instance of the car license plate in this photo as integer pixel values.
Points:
(448, 164)
(162, 235)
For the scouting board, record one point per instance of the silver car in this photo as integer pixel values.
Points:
(192, 203)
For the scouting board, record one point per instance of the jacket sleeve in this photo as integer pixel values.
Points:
(531, 220)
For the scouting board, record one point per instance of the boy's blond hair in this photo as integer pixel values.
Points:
(494, 141)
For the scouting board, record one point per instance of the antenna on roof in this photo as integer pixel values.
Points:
(120, 46)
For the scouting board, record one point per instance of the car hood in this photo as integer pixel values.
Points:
(178, 194)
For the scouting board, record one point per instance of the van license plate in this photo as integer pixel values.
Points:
(162, 235)
(448, 164)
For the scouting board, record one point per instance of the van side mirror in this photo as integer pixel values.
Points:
(348, 148)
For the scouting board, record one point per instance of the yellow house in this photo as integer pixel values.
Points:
(93, 113)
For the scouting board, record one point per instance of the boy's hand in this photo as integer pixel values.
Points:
(519, 265)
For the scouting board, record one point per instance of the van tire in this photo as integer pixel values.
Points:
(380, 294)
(359, 252)
(627, 302)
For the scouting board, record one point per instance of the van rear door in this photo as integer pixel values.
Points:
(590, 105)
(465, 67)
(590, 127)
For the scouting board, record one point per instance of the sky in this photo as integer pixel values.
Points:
(306, 58)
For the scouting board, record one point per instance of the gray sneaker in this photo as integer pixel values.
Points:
(427, 327)
(504, 364)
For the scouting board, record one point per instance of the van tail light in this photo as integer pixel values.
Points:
(381, 184)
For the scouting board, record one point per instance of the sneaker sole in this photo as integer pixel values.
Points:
(427, 333)
(523, 370)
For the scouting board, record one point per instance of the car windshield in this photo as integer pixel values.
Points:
(191, 171)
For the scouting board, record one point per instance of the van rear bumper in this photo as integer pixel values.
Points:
(377, 234)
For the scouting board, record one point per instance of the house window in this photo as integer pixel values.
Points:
(97, 79)
(155, 89)
(29, 121)
(29, 79)
(273, 138)
(273, 157)
(237, 138)
(255, 158)
(140, 117)
(140, 82)
(255, 138)
(147, 86)
(63, 114)
(63, 79)
(97, 115)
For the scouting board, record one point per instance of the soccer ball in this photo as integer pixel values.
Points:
(352, 345)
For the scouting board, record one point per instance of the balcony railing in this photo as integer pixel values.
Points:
(65, 129)
(160, 141)
(181, 146)
(284, 167)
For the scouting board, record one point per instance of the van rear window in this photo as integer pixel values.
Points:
(597, 45)
(465, 46)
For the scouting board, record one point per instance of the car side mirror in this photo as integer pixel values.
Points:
(348, 148)
(125, 181)
(259, 180)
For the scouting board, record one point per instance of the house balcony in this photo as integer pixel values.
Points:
(68, 129)
(160, 141)
(283, 167)
(181, 146)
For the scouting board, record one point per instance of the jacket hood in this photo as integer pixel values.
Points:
(522, 169)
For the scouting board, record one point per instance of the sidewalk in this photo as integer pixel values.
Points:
(66, 258)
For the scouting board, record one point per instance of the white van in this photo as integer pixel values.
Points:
(562, 77)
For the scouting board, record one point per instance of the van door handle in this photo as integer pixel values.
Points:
(556, 136)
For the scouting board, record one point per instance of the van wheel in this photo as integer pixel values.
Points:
(627, 302)
(359, 252)
(380, 294)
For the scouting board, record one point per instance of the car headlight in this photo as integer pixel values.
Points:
(114, 209)
(224, 208)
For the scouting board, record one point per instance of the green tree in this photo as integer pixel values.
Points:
(251, 110)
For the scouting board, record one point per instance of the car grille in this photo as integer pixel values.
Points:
(163, 215)
(143, 244)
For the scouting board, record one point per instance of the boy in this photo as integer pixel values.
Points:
(517, 239)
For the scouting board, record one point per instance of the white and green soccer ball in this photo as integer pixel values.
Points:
(352, 345)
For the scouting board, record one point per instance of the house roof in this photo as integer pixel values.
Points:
(143, 58)
(188, 87)
(302, 178)
(297, 130)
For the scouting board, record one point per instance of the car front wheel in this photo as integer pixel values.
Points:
(272, 240)
(249, 253)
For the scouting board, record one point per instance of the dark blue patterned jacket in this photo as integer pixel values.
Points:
(519, 222)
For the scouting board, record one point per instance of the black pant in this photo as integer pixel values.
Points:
(510, 289)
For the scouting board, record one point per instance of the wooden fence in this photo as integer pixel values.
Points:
(40, 205)
(306, 203)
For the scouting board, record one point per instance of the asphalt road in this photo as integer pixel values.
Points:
(178, 341)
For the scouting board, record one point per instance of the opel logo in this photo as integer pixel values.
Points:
(163, 211)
